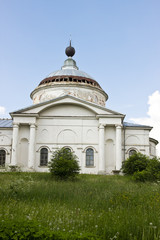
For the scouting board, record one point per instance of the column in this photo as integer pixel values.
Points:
(31, 155)
(118, 147)
(101, 149)
(14, 143)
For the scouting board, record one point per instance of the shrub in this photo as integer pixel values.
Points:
(154, 167)
(135, 163)
(142, 168)
(142, 176)
(64, 165)
(151, 173)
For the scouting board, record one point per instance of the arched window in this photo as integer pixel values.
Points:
(44, 157)
(131, 152)
(89, 157)
(2, 158)
(68, 149)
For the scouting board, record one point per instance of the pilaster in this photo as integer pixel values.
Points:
(101, 150)
(118, 147)
(14, 143)
(31, 155)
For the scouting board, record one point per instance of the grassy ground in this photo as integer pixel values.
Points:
(110, 207)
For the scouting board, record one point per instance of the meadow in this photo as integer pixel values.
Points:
(100, 207)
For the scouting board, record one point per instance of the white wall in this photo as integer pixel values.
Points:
(6, 142)
(23, 145)
(137, 139)
(78, 134)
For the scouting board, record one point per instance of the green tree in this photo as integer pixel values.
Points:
(142, 167)
(135, 163)
(151, 173)
(63, 164)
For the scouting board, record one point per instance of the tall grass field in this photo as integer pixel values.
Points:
(92, 207)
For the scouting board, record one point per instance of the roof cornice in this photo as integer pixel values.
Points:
(138, 127)
(61, 98)
(16, 114)
(153, 140)
(116, 115)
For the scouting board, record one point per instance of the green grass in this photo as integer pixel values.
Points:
(110, 207)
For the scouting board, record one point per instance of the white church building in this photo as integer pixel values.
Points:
(69, 111)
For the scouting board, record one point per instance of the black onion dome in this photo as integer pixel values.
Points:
(70, 51)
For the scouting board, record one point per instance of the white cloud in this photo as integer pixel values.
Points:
(2, 110)
(153, 118)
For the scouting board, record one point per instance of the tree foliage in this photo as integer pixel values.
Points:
(142, 167)
(135, 163)
(63, 164)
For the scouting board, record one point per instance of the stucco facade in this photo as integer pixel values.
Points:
(69, 111)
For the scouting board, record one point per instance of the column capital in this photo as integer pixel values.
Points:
(118, 125)
(32, 125)
(15, 124)
(101, 126)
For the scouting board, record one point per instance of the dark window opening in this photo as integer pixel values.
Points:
(68, 149)
(2, 158)
(44, 157)
(132, 152)
(89, 157)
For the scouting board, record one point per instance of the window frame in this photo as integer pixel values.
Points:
(131, 150)
(43, 155)
(3, 160)
(89, 157)
(68, 148)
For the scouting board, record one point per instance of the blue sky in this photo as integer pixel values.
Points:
(116, 42)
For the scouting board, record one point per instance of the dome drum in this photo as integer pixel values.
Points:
(74, 79)
(88, 93)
